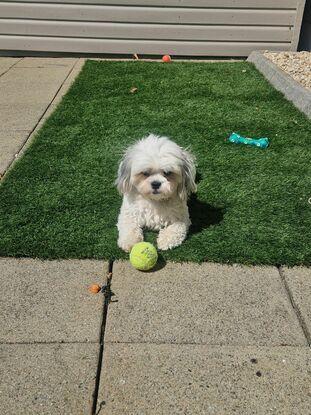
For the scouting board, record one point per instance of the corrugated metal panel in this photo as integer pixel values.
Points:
(178, 27)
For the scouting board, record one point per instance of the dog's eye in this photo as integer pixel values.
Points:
(167, 173)
(146, 174)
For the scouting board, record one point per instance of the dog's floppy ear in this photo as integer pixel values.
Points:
(188, 185)
(124, 175)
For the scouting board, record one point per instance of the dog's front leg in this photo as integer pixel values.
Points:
(129, 237)
(172, 236)
(129, 233)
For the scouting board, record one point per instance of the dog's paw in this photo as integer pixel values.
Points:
(127, 243)
(126, 247)
(168, 239)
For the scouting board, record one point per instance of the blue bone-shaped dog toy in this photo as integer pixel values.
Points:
(262, 142)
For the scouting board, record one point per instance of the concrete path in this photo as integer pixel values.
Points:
(30, 89)
(207, 339)
(186, 339)
(50, 336)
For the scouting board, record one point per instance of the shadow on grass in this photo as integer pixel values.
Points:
(203, 215)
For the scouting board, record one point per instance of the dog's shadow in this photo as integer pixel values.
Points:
(161, 263)
(203, 215)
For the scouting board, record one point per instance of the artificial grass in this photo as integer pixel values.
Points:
(59, 201)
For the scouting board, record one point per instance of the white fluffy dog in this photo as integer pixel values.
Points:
(155, 176)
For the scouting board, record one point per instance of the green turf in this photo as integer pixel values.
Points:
(252, 206)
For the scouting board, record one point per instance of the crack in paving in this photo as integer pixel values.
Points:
(300, 319)
(106, 290)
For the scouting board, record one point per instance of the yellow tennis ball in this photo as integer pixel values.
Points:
(143, 256)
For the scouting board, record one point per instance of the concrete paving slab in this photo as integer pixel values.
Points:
(32, 85)
(34, 62)
(10, 144)
(20, 116)
(48, 301)
(208, 303)
(298, 280)
(49, 379)
(35, 116)
(7, 63)
(198, 379)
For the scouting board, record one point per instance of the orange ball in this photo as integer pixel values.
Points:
(166, 58)
(94, 288)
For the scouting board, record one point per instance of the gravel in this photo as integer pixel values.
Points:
(296, 64)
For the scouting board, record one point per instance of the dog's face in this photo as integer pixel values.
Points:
(156, 179)
(158, 169)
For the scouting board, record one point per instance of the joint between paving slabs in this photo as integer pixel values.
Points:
(106, 290)
(11, 67)
(295, 307)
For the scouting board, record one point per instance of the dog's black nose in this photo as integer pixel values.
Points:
(155, 185)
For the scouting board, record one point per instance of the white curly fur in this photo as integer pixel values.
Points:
(155, 176)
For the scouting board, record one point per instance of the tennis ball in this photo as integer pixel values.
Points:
(143, 256)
